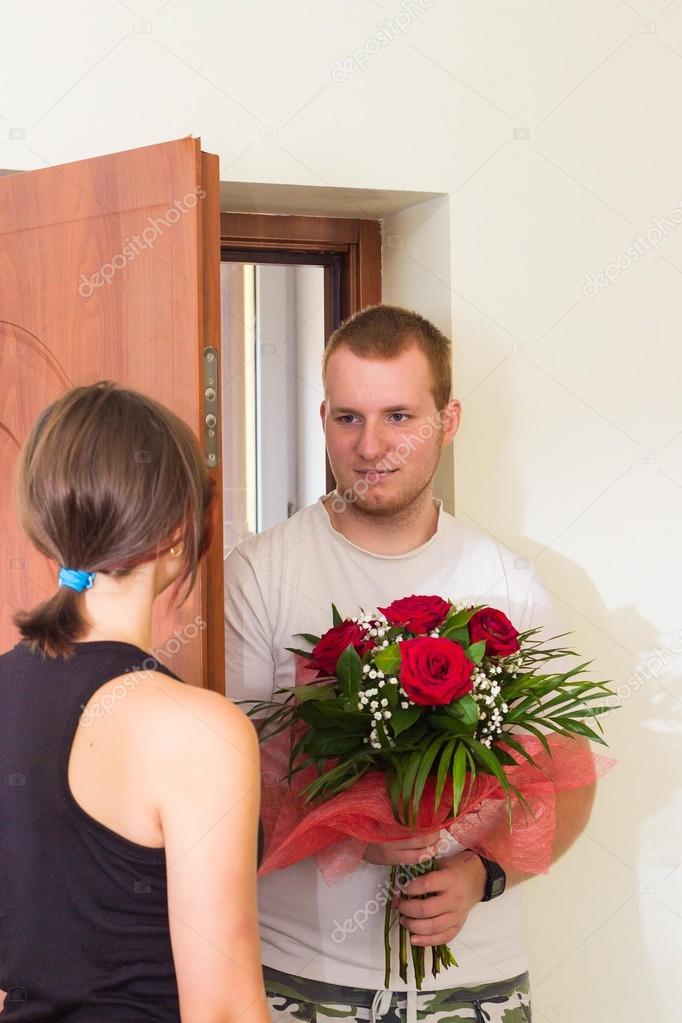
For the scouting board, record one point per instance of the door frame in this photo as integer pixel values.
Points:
(349, 249)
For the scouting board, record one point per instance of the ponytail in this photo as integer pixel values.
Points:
(53, 626)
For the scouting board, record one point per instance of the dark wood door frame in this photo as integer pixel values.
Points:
(348, 249)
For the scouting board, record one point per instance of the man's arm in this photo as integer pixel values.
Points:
(458, 882)
(250, 664)
(459, 879)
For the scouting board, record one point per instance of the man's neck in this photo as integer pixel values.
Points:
(391, 534)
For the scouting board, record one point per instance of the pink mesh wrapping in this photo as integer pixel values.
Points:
(338, 830)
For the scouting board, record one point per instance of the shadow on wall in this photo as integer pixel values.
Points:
(587, 921)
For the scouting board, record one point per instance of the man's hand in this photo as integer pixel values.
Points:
(452, 890)
(407, 851)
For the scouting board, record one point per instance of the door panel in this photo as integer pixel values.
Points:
(109, 269)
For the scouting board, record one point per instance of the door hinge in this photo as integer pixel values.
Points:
(211, 393)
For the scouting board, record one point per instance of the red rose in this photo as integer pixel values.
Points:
(434, 671)
(330, 647)
(418, 614)
(501, 638)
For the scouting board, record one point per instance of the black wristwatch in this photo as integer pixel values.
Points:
(495, 879)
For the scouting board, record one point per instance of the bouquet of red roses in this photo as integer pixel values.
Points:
(423, 715)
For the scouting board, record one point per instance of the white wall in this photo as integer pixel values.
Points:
(554, 130)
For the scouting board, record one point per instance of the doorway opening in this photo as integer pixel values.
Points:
(286, 284)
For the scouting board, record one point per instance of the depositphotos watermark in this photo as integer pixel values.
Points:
(398, 457)
(106, 703)
(385, 34)
(648, 670)
(133, 246)
(640, 245)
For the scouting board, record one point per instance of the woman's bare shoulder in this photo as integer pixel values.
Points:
(187, 717)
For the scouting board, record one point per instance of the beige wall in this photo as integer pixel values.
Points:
(553, 132)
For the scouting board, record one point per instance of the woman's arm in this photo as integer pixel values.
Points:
(208, 805)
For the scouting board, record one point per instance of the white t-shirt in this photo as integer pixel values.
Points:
(282, 582)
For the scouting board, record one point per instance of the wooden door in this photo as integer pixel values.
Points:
(110, 269)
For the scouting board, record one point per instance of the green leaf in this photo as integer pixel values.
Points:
(444, 768)
(472, 771)
(537, 733)
(349, 672)
(458, 776)
(336, 617)
(518, 747)
(295, 753)
(465, 710)
(454, 618)
(504, 757)
(309, 713)
(489, 761)
(594, 712)
(458, 634)
(476, 651)
(337, 779)
(580, 728)
(402, 719)
(321, 745)
(409, 775)
(388, 659)
(425, 765)
(349, 722)
(313, 692)
(394, 783)
(301, 653)
(442, 723)
(308, 637)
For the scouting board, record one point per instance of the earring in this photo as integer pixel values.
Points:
(177, 550)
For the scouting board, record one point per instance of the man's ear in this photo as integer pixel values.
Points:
(451, 417)
(323, 413)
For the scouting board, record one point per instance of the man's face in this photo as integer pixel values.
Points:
(383, 432)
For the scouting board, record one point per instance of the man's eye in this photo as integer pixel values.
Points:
(346, 419)
(399, 417)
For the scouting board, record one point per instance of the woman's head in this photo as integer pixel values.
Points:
(108, 479)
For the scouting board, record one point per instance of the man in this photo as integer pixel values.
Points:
(387, 415)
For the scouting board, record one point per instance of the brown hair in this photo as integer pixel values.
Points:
(385, 331)
(105, 478)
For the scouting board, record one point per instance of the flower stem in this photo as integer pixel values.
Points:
(418, 963)
(387, 927)
(442, 955)
(403, 953)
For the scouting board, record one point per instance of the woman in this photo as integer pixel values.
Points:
(129, 801)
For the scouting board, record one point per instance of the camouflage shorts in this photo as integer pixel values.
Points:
(311, 1001)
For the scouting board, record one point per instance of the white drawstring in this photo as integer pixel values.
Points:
(411, 1010)
(382, 1003)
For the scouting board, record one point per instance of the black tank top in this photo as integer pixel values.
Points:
(84, 935)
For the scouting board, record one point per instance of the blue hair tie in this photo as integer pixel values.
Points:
(75, 579)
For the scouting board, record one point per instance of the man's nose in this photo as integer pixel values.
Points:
(371, 443)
